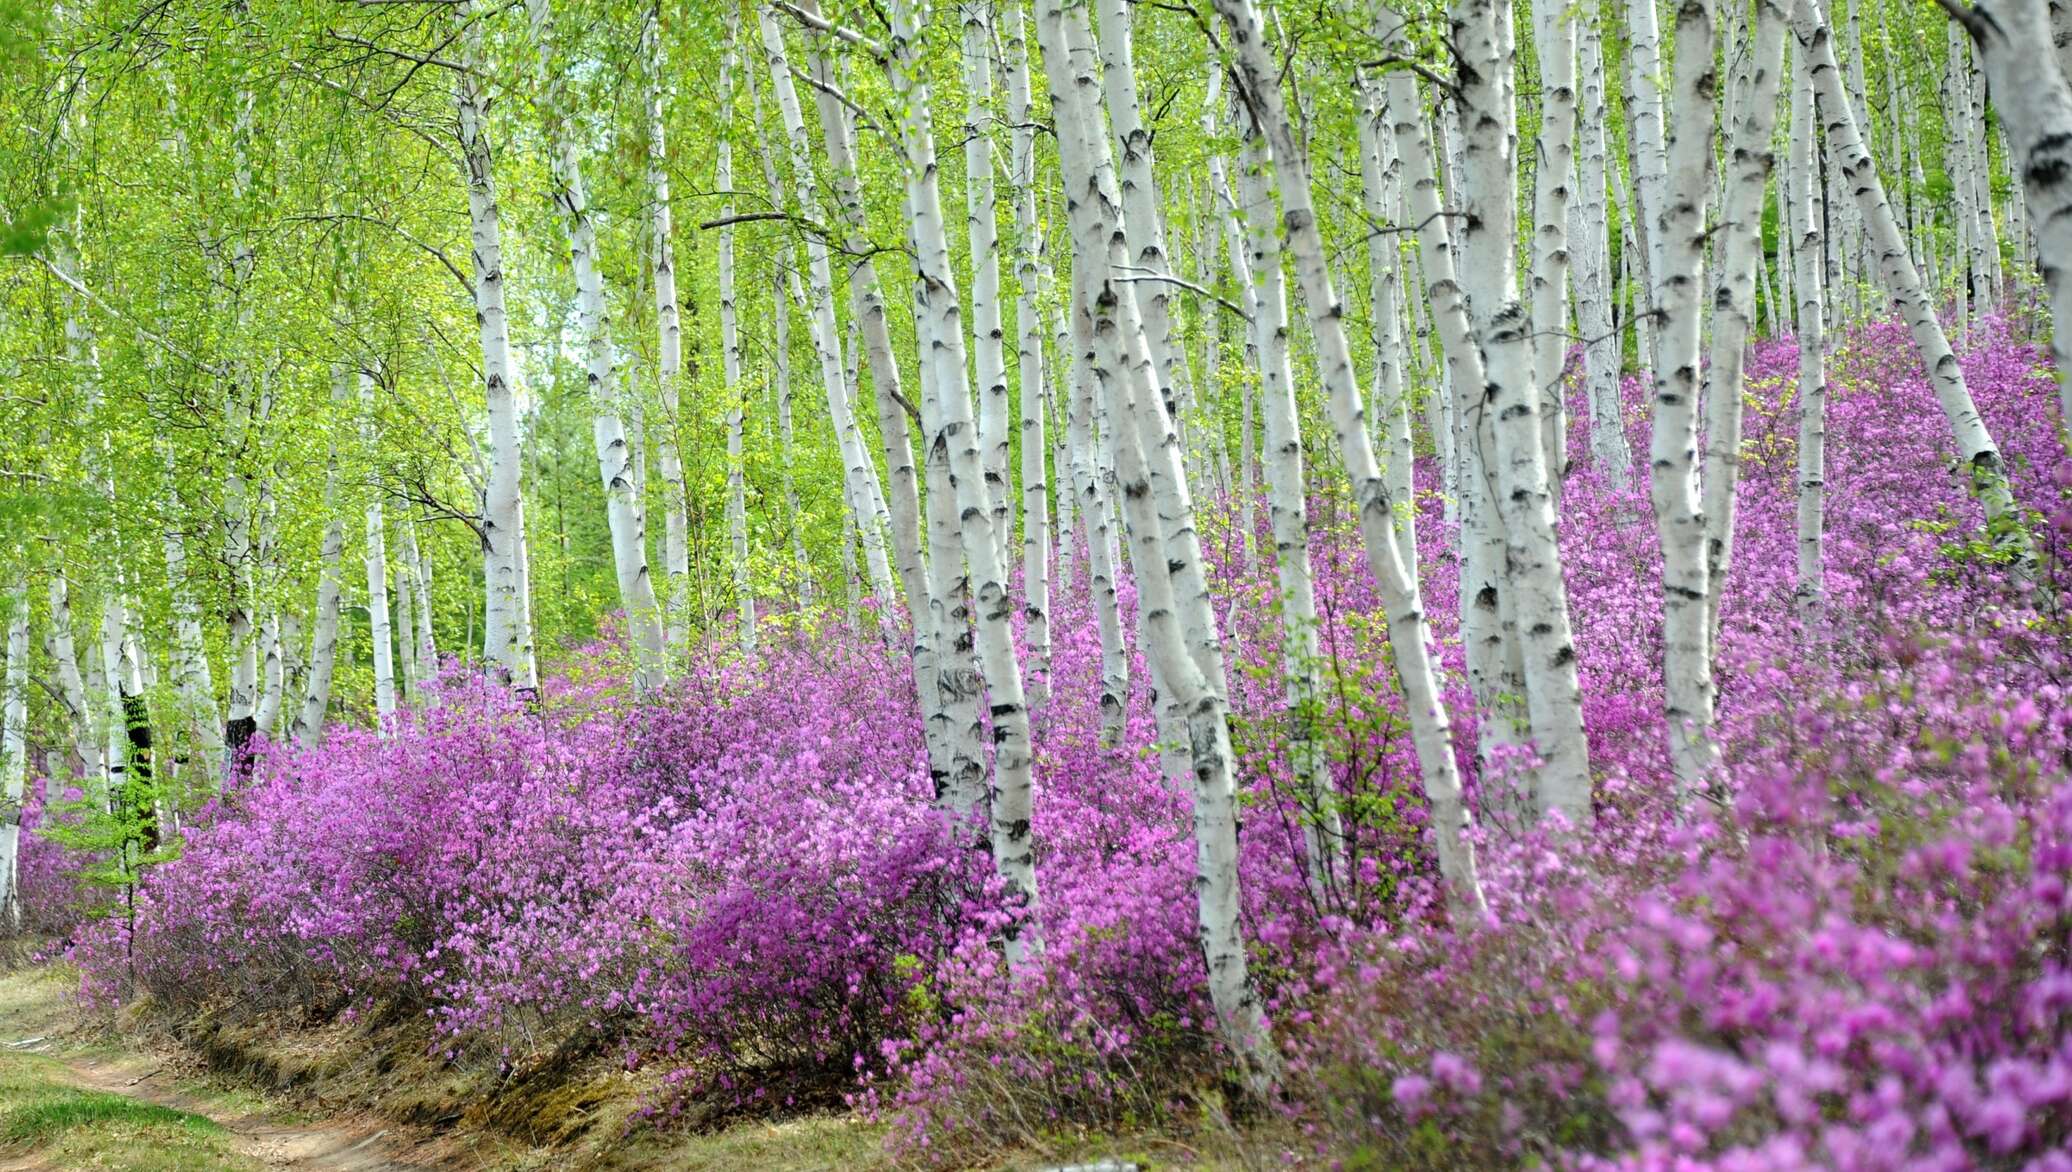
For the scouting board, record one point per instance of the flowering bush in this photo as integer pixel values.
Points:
(1860, 959)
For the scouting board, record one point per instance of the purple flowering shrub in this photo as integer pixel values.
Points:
(1857, 958)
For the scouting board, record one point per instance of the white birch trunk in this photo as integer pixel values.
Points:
(308, 725)
(1142, 215)
(376, 556)
(783, 295)
(1288, 519)
(952, 433)
(14, 750)
(615, 459)
(1554, 162)
(403, 596)
(1807, 220)
(931, 654)
(1394, 579)
(1095, 513)
(858, 474)
(506, 615)
(71, 691)
(1645, 136)
(1679, 230)
(1592, 224)
(676, 563)
(191, 676)
(1125, 367)
(1380, 198)
(2014, 39)
(1029, 284)
(1501, 370)
(982, 231)
(1739, 244)
(730, 355)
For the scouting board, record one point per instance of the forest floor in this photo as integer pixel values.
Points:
(81, 1091)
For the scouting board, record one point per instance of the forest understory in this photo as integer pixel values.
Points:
(1422, 586)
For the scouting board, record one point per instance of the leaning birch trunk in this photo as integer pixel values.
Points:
(1532, 559)
(827, 346)
(1554, 162)
(508, 631)
(1739, 252)
(1029, 363)
(676, 558)
(1591, 222)
(1288, 520)
(730, 354)
(935, 298)
(902, 495)
(615, 459)
(1679, 233)
(308, 725)
(1144, 271)
(1143, 218)
(1988, 476)
(1380, 178)
(1409, 635)
(982, 231)
(1807, 217)
(376, 554)
(14, 750)
(1125, 367)
(2030, 92)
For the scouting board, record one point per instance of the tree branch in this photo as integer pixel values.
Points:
(1190, 286)
(142, 331)
(821, 24)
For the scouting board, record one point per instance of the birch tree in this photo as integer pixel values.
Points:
(1408, 638)
(676, 561)
(1120, 359)
(1733, 318)
(615, 459)
(1678, 233)
(2014, 41)
(1806, 216)
(507, 631)
(14, 750)
(1591, 229)
(935, 298)
(1982, 465)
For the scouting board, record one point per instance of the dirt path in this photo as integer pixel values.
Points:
(34, 1019)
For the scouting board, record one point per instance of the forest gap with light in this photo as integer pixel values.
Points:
(1354, 583)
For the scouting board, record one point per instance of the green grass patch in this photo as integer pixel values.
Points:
(62, 1126)
(42, 1121)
